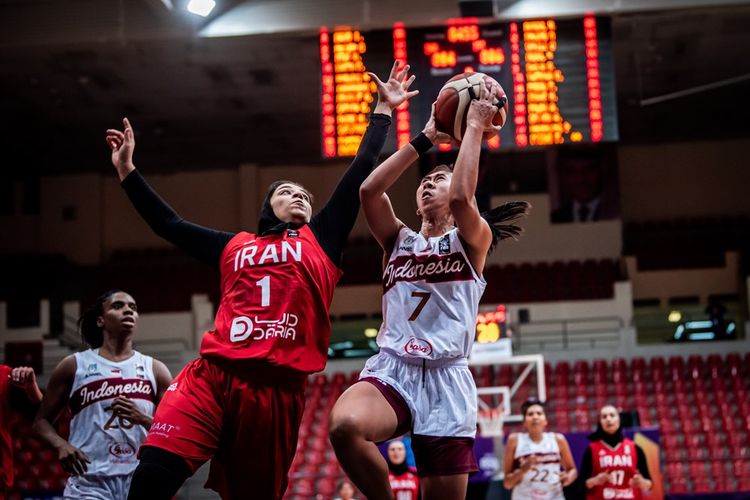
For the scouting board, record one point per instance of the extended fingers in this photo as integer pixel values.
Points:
(378, 81)
(74, 465)
(402, 74)
(408, 82)
(394, 70)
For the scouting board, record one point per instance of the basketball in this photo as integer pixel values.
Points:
(452, 105)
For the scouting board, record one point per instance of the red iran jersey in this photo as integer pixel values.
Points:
(621, 463)
(6, 438)
(276, 291)
(405, 486)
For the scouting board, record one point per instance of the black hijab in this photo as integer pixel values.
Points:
(611, 439)
(268, 222)
(397, 469)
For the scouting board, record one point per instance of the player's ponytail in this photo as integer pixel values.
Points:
(502, 220)
(91, 332)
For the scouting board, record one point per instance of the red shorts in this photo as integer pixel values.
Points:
(247, 423)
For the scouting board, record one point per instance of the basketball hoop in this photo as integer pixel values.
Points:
(491, 422)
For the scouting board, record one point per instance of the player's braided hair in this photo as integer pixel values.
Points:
(91, 333)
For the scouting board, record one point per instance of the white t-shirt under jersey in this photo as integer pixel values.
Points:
(430, 297)
(542, 482)
(110, 442)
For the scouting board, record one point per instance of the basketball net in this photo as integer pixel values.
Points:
(491, 422)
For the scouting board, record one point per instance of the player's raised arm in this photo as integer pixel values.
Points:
(202, 243)
(383, 223)
(334, 222)
(472, 228)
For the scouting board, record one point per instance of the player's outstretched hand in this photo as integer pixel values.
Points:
(122, 144)
(483, 109)
(72, 459)
(395, 91)
(433, 134)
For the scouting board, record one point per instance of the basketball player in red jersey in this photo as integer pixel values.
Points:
(420, 380)
(614, 466)
(19, 395)
(403, 478)
(241, 402)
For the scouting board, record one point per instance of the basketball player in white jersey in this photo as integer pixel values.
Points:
(112, 391)
(432, 282)
(538, 464)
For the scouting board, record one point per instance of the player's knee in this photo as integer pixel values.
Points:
(343, 426)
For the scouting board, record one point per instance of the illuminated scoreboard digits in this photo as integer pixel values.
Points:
(492, 325)
(546, 125)
(346, 89)
(558, 76)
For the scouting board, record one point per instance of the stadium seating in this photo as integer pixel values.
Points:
(700, 404)
(696, 403)
(685, 243)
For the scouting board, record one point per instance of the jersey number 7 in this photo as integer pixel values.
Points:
(423, 298)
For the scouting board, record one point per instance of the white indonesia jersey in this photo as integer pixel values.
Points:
(430, 298)
(541, 482)
(110, 442)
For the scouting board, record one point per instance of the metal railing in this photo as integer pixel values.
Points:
(562, 333)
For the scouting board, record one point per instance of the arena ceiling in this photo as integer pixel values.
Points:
(71, 68)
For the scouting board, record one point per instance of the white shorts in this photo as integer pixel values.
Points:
(98, 487)
(441, 394)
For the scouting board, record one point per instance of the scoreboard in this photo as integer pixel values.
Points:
(558, 75)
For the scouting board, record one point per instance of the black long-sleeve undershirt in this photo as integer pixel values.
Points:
(331, 226)
(22, 405)
(587, 466)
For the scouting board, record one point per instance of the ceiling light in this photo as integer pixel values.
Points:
(201, 7)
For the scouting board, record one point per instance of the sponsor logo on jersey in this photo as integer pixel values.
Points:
(172, 387)
(121, 450)
(92, 371)
(116, 371)
(101, 390)
(162, 428)
(140, 371)
(121, 453)
(428, 268)
(618, 493)
(263, 329)
(444, 245)
(292, 233)
(418, 347)
(408, 244)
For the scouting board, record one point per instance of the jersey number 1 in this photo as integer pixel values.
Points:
(265, 290)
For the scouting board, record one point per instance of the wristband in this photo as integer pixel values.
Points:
(421, 143)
